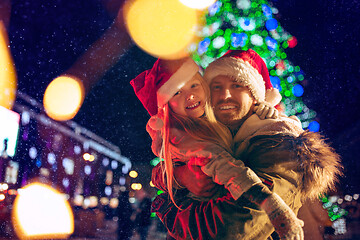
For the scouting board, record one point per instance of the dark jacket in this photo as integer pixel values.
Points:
(298, 165)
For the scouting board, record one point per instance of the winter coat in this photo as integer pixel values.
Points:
(295, 164)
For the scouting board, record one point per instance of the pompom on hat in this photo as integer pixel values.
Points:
(156, 86)
(248, 68)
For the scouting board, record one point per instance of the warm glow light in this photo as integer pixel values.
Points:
(63, 98)
(104, 201)
(133, 174)
(136, 186)
(198, 4)
(151, 184)
(78, 200)
(114, 202)
(4, 186)
(86, 156)
(163, 28)
(7, 71)
(12, 192)
(41, 212)
(2, 197)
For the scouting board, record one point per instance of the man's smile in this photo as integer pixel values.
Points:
(227, 107)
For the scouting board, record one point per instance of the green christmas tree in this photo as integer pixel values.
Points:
(245, 24)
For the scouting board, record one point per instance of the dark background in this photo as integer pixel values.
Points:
(47, 37)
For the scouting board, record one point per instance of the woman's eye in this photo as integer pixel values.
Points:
(177, 93)
(237, 86)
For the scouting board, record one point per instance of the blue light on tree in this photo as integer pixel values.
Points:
(275, 81)
(298, 90)
(238, 39)
(314, 126)
(271, 24)
(203, 46)
(271, 43)
(266, 10)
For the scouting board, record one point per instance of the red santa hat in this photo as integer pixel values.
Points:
(248, 68)
(155, 87)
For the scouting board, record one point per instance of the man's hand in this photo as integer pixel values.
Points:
(195, 180)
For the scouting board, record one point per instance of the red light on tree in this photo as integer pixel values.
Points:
(292, 42)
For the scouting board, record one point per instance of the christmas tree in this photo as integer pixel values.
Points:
(245, 24)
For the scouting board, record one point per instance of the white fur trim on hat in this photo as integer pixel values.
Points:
(185, 73)
(273, 96)
(241, 70)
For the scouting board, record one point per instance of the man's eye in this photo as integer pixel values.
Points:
(194, 85)
(215, 87)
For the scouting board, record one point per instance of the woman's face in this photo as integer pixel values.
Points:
(189, 101)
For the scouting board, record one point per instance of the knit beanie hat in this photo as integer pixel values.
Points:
(248, 68)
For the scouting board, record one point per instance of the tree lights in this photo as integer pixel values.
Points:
(245, 24)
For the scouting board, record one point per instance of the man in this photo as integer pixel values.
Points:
(291, 162)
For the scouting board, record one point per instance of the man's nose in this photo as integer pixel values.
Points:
(227, 94)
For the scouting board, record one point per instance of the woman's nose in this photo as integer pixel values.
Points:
(190, 97)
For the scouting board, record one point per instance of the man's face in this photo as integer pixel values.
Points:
(232, 102)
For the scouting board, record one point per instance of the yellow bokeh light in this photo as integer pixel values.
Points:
(198, 4)
(7, 71)
(136, 186)
(104, 201)
(114, 202)
(86, 156)
(4, 186)
(41, 212)
(163, 28)
(2, 197)
(63, 98)
(133, 174)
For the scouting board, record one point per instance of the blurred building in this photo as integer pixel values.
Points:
(88, 169)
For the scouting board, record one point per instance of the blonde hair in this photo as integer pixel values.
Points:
(203, 129)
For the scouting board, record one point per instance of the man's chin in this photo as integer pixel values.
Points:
(227, 119)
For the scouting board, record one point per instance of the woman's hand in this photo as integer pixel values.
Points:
(265, 110)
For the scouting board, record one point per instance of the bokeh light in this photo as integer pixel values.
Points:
(163, 28)
(63, 98)
(298, 90)
(198, 4)
(7, 71)
(314, 126)
(41, 212)
(133, 174)
(136, 186)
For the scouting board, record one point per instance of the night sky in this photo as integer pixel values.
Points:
(47, 37)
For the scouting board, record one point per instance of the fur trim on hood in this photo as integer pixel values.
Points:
(319, 164)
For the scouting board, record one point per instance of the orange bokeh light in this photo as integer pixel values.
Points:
(41, 212)
(63, 98)
(7, 71)
(163, 28)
